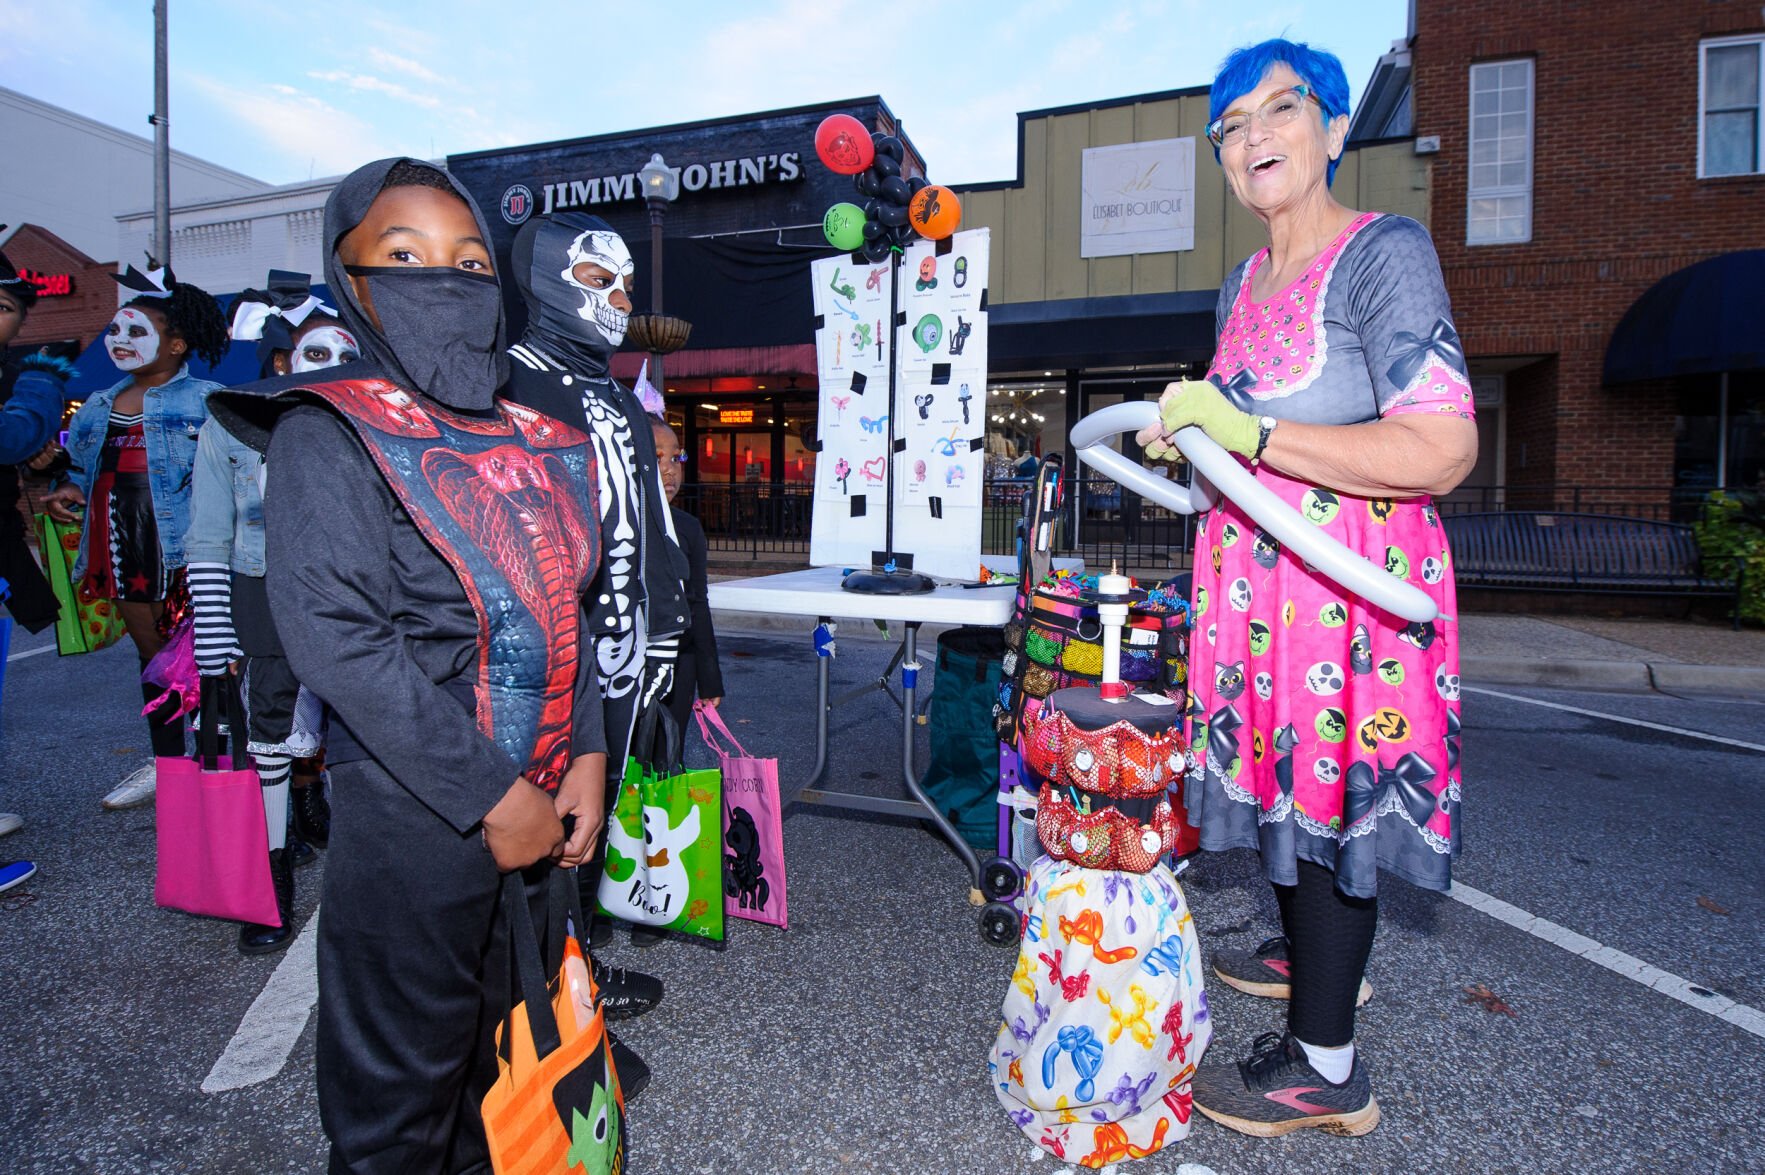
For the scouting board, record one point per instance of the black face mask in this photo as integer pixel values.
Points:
(441, 325)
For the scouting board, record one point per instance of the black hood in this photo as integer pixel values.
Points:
(437, 359)
(537, 261)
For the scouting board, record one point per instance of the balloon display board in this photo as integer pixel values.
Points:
(938, 416)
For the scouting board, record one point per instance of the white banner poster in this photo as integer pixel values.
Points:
(1138, 198)
(939, 409)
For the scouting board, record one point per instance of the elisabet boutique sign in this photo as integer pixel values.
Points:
(1138, 198)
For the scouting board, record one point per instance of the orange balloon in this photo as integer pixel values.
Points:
(934, 212)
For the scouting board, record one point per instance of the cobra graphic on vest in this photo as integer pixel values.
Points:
(500, 500)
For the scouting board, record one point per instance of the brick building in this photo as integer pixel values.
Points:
(75, 296)
(1584, 153)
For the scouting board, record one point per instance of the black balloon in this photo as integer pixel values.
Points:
(892, 214)
(872, 208)
(894, 190)
(916, 183)
(866, 182)
(877, 250)
(874, 230)
(903, 233)
(889, 146)
(885, 166)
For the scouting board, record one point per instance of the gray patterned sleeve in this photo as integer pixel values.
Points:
(1398, 307)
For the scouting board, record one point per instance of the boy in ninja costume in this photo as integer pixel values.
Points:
(426, 550)
(575, 274)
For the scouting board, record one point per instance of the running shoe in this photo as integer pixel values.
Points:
(135, 790)
(1266, 971)
(625, 993)
(14, 872)
(1276, 1091)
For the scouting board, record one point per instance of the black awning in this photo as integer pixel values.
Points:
(1704, 319)
(1102, 332)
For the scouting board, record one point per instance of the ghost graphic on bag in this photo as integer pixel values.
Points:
(656, 894)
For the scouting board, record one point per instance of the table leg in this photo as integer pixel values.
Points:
(909, 771)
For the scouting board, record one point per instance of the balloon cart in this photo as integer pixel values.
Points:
(1216, 473)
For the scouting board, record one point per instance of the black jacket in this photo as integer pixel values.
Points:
(697, 672)
(540, 382)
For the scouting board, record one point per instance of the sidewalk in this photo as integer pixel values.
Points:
(1563, 652)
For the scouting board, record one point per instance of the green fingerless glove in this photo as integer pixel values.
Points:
(1198, 402)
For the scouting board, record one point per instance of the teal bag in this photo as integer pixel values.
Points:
(962, 778)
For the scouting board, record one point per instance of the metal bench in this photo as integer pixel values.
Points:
(1536, 550)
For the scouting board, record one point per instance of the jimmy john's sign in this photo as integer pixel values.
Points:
(521, 201)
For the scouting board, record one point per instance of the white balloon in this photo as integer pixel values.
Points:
(1218, 472)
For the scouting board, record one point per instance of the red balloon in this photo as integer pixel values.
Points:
(844, 144)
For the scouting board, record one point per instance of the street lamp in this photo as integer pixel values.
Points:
(661, 187)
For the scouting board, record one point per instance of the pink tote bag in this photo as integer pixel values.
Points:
(214, 850)
(753, 826)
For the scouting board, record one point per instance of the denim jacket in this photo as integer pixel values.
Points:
(172, 417)
(226, 503)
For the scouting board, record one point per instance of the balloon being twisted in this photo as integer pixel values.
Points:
(1217, 472)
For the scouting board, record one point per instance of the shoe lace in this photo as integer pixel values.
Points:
(1268, 1063)
(1272, 946)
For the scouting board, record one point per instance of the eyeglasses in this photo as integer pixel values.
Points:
(1283, 108)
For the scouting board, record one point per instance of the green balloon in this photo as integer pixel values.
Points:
(844, 227)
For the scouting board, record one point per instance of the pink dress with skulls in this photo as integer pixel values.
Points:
(1322, 727)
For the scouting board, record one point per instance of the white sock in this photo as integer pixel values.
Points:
(1333, 1065)
(276, 812)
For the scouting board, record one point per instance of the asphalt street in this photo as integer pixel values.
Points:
(857, 1040)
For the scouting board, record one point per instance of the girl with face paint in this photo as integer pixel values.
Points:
(295, 334)
(131, 449)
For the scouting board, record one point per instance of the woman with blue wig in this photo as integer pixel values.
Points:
(1324, 729)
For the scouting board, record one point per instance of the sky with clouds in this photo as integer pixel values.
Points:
(287, 91)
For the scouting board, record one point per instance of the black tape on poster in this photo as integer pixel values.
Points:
(857, 505)
(813, 444)
(984, 301)
(900, 318)
(858, 382)
(936, 506)
(945, 247)
(976, 444)
(820, 321)
(940, 374)
(900, 444)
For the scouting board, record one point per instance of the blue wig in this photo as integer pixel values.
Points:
(1317, 68)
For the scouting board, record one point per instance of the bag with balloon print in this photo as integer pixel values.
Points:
(664, 837)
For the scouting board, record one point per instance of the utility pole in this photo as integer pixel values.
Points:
(162, 141)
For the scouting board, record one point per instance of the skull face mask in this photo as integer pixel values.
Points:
(132, 340)
(600, 266)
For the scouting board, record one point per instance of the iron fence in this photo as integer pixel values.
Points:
(1101, 523)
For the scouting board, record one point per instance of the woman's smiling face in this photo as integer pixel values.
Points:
(1270, 168)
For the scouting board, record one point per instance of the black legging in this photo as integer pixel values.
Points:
(1329, 936)
(164, 734)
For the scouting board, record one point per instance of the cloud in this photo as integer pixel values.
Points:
(403, 65)
(297, 127)
(373, 85)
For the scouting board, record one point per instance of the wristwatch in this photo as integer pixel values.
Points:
(1265, 425)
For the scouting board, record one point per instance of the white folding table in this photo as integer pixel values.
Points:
(816, 594)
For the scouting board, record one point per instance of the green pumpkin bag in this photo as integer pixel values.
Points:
(665, 837)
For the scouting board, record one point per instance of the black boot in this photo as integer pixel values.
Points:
(312, 815)
(255, 939)
(633, 1073)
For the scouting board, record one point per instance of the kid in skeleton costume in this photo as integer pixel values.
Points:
(426, 549)
(225, 547)
(574, 273)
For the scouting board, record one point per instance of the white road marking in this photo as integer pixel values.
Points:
(1668, 984)
(30, 653)
(1654, 726)
(275, 1019)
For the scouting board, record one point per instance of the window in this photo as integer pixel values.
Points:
(1731, 139)
(1498, 205)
